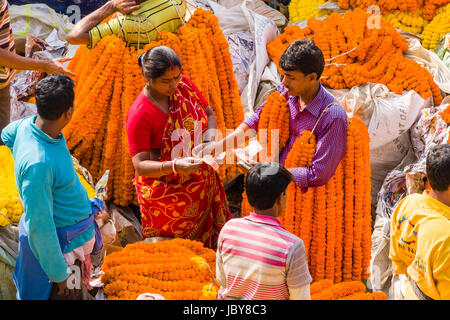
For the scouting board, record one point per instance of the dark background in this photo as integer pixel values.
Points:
(60, 6)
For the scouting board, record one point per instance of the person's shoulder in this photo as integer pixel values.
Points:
(141, 106)
(234, 222)
(437, 225)
(416, 200)
(337, 111)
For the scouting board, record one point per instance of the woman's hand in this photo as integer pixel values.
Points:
(204, 149)
(187, 165)
(125, 6)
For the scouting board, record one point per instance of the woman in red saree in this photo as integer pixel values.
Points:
(178, 196)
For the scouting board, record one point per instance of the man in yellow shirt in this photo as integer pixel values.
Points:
(420, 233)
(140, 22)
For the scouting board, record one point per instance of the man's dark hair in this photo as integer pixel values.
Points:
(156, 61)
(54, 96)
(438, 167)
(264, 183)
(303, 56)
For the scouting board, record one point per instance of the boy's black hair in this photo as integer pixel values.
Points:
(54, 96)
(438, 167)
(156, 61)
(264, 183)
(304, 56)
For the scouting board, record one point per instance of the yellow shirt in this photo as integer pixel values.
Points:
(143, 25)
(420, 244)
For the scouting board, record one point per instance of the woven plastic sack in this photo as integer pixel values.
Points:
(39, 20)
(7, 287)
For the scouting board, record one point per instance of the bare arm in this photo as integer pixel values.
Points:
(17, 62)
(80, 33)
(147, 164)
(234, 140)
(212, 124)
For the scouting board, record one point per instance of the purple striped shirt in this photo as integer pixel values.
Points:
(331, 134)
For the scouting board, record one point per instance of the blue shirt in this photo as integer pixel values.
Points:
(51, 193)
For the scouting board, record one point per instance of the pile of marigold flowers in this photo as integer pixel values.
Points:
(109, 80)
(334, 220)
(412, 22)
(177, 269)
(356, 54)
(429, 6)
(436, 29)
(11, 208)
(304, 9)
(348, 290)
(10, 205)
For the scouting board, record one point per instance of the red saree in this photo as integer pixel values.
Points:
(191, 207)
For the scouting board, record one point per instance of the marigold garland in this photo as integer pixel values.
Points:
(348, 290)
(109, 80)
(339, 290)
(304, 9)
(407, 21)
(334, 220)
(356, 54)
(275, 120)
(436, 29)
(11, 208)
(445, 115)
(10, 205)
(174, 269)
(429, 6)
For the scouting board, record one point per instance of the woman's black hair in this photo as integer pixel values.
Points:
(156, 61)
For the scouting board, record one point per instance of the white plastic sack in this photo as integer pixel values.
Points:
(20, 109)
(39, 20)
(242, 51)
(259, 7)
(430, 61)
(443, 50)
(405, 179)
(388, 117)
(263, 30)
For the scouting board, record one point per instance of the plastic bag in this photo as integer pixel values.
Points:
(242, 51)
(442, 50)
(388, 117)
(429, 60)
(257, 6)
(263, 30)
(405, 179)
(39, 20)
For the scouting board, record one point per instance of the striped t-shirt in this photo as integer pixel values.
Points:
(143, 25)
(257, 259)
(6, 42)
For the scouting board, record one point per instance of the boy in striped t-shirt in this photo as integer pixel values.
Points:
(257, 259)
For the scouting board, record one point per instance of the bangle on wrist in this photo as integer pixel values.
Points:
(174, 169)
(161, 167)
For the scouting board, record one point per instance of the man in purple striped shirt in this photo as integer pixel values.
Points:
(310, 106)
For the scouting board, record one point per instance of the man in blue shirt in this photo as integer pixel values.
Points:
(58, 214)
